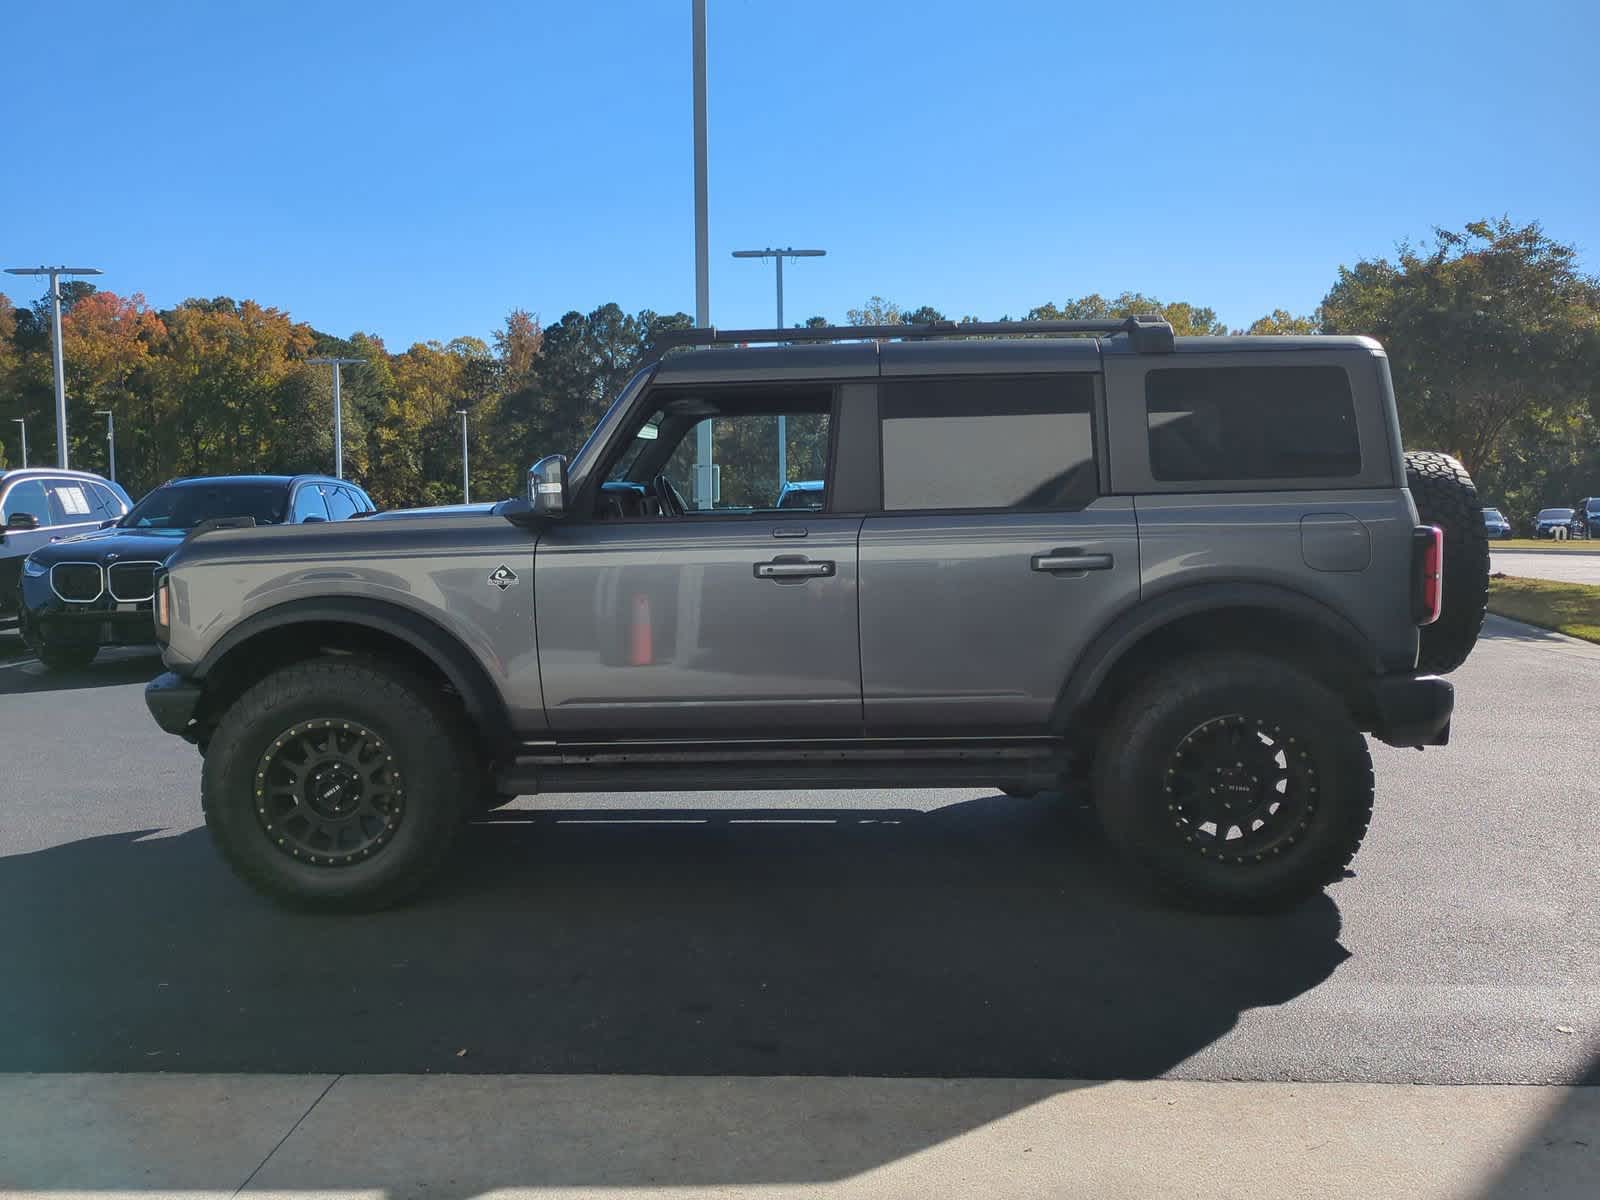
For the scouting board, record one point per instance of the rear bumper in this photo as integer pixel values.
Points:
(1412, 710)
(172, 701)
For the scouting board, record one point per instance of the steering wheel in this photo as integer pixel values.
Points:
(667, 497)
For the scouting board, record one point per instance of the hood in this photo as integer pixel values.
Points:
(112, 545)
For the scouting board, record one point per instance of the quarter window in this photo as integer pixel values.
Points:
(1023, 443)
(1221, 423)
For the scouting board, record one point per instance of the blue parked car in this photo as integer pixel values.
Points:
(1586, 518)
(1495, 523)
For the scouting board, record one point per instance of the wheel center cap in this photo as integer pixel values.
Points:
(1235, 786)
(334, 790)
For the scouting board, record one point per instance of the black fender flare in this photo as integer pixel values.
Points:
(427, 637)
(1120, 635)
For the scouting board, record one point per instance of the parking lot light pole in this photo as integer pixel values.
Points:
(338, 409)
(55, 274)
(778, 256)
(23, 425)
(111, 442)
(466, 477)
(704, 447)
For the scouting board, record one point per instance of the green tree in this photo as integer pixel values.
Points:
(1186, 319)
(1281, 321)
(1491, 328)
(876, 311)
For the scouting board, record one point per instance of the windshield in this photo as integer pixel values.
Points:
(1493, 512)
(1554, 514)
(183, 506)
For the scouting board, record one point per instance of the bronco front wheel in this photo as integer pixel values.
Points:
(336, 784)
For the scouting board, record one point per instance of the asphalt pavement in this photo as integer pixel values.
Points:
(928, 934)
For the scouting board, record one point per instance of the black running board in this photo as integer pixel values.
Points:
(1031, 764)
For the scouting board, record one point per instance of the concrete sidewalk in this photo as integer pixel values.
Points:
(647, 1136)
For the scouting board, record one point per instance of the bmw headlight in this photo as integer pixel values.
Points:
(34, 570)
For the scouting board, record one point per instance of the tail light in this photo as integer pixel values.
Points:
(1427, 583)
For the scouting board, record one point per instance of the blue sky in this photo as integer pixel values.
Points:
(417, 170)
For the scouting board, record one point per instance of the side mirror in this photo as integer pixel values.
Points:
(22, 522)
(547, 485)
(108, 524)
(311, 519)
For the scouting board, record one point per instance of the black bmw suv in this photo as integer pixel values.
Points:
(94, 590)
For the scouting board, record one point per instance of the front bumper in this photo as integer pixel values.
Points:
(1412, 710)
(47, 619)
(172, 701)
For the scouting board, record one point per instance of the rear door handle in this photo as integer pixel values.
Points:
(794, 568)
(1068, 559)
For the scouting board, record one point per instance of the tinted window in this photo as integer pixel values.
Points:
(340, 506)
(308, 503)
(27, 497)
(1251, 423)
(1025, 443)
(183, 506)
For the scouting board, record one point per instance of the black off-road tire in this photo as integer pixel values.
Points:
(413, 734)
(65, 657)
(1161, 738)
(1445, 496)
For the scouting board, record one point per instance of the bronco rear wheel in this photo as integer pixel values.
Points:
(1236, 781)
(1446, 496)
(335, 784)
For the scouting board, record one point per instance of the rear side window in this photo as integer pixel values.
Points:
(1251, 423)
(1021, 443)
(71, 504)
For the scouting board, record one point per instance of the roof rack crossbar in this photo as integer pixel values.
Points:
(1146, 333)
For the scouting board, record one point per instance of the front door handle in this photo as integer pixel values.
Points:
(1069, 559)
(783, 569)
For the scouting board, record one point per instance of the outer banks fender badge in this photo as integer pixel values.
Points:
(502, 577)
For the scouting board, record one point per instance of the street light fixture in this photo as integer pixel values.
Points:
(778, 256)
(338, 408)
(111, 442)
(23, 425)
(466, 478)
(55, 274)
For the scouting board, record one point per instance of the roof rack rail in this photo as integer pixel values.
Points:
(1147, 333)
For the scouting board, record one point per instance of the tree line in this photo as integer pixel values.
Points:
(1492, 331)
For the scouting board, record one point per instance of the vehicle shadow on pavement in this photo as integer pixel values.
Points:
(993, 937)
(114, 668)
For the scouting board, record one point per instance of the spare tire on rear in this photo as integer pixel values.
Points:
(1445, 496)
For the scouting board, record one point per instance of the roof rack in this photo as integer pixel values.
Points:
(1147, 333)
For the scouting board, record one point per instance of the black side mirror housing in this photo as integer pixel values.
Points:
(108, 524)
(22, 522)
(547, 485)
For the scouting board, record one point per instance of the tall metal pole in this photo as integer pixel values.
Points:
(111, 442)
(778, 256)
(55, 274)
(704, 469)
(23, 425)
(466, 478)
(338, 409)
(60, 370)
(338, 427)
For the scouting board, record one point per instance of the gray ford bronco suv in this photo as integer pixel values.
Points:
(1186, 574)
